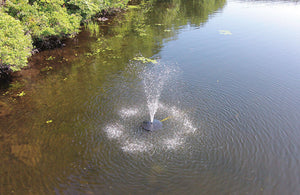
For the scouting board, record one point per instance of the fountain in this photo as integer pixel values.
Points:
(152, 125)
(154, 78)
(126, 124)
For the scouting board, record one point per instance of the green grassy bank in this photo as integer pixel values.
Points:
(36, 24)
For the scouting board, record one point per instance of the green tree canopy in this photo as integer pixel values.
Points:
(15, 45)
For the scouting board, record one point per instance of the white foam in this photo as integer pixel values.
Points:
(114, 131)
(181, 116)
(189, 126)
(173, 143)
(128, 112)
(137, 147)
(173, 140)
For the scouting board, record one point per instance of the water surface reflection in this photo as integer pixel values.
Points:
(237, 94)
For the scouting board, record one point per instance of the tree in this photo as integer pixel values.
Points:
(15, 45)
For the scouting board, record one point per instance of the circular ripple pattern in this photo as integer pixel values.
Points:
(138, 99)
(132, 137)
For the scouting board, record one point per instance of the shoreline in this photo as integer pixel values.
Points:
(13, 90)
(8, 67)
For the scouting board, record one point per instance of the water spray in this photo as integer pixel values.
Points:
(154, 78)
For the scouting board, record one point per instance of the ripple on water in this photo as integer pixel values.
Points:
(137, 146)
(128, 112)
(126, 129)
(114, 131)
(173, 143)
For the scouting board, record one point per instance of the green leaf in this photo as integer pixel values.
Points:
(49, 121)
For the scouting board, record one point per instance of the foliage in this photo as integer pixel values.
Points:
(86, 8)
(50, 58)
(44, 18)
(15, 45)
(47, 21)
(93, 28)
(21, 94)
(89, 8)
(16, 85)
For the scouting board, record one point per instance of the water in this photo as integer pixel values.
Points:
(233, 102)
(126, 127)
(154, 79)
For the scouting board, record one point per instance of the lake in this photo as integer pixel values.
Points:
(227, 75)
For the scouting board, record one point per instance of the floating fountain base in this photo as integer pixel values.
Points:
(155, 125)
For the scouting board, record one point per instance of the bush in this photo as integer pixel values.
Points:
(86, 9)
(15, 45)
(89, 8)
(44, 18)
(47, 21)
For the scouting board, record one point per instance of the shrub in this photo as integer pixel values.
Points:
(89, 8)
(47, 21)
(86, 9)
(15, 46)
(44, 18)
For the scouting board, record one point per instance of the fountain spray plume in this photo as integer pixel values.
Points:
(154, 79)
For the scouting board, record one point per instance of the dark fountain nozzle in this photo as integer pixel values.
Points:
(152, 126)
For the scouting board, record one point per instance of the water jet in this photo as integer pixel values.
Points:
(154, 78)
(139, 125)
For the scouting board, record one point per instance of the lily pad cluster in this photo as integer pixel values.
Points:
(144, 60)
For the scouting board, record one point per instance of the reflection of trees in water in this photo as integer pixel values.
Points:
(142, 30)
(183, 12)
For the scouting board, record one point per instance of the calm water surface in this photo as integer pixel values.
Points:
(233, 99)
